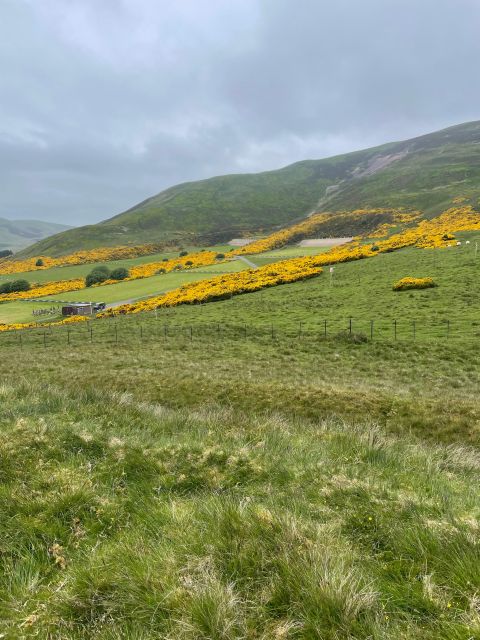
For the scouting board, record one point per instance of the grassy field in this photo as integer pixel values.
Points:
(149, 286)
(21, 311)
(81, 270)
(184, 476)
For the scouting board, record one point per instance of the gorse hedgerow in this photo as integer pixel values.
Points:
(314, 223)
(227, 285)
(32, 325)
(102, 254)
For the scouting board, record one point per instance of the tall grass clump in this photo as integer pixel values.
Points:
(126, 519)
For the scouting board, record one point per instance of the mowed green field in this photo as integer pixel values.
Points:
(20, 311)
(80, 271)
(153, 285)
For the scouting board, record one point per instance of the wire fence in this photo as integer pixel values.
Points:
(124, 331)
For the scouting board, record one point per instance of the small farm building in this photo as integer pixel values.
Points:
(77, 309)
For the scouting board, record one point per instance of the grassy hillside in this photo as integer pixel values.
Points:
(426, 173)
(18, 234)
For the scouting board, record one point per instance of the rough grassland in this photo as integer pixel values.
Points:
(184, 476)
(123, 519)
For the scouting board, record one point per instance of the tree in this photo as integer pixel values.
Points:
(120, 273)
(5, 253)
(39, 263)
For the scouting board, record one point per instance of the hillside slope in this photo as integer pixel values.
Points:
(18, 234)
(425, 173)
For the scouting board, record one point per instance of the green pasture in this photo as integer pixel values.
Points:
(21, 311)
(80, 271)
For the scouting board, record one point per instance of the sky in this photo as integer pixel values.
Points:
(104, 103)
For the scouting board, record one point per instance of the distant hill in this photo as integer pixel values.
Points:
(424, 173)
(18, 234)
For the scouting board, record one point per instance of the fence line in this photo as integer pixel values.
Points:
(358, 330)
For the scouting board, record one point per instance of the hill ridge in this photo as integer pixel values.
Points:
(426, 173)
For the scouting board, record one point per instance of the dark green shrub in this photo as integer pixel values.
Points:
(188, 263)
(183, 253)
(14, 286)
(220, 256)
(120, 273)
(159, 271)
(39, 263)
(164, 259)
(97, 275)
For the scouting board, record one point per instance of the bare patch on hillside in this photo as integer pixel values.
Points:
(378, 163)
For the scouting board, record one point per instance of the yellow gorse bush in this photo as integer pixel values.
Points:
(314, 223)
(436, 232)
(102, 254)
(33, 325)
(413, 283)
(47, 289)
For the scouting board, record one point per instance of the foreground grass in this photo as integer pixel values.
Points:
(125, 519)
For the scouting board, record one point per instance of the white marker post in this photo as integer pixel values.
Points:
(332, 269)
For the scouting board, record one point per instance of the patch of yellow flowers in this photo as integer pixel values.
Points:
(34, 325)
(102, 254)
(413, 283)
(314, 223)
(47, 289)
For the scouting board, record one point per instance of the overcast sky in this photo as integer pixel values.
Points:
(106, 102)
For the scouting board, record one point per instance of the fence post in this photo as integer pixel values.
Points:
(325, 328)
(350, 326)
(448, 328)
(21, 343)
(68, 336)
(141, 332)
(395, 328)
(116, 334)
(273, 332)
(245, 330)
(91, 334)
(371, 329)
(164, 331)
(191, 334)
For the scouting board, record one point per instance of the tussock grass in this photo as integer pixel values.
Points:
(122, 518)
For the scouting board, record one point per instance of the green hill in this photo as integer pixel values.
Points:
(18, 234)
(424, 172)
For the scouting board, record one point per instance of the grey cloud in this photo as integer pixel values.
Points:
(105, 103)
